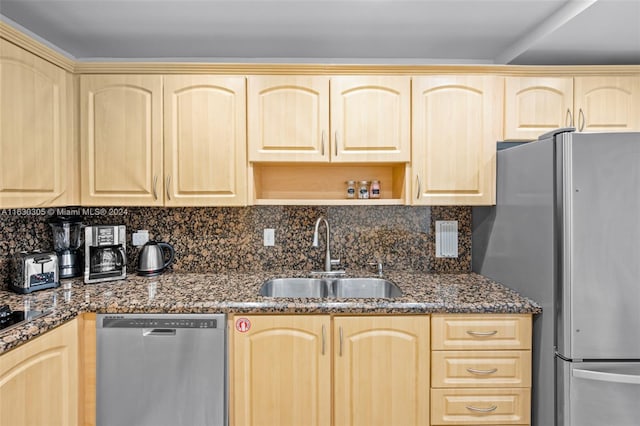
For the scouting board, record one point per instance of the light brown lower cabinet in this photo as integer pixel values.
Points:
(486, 380)
(381, 370)
(39, 380)
(87, 367)
(282, 372)
(310, 370)
(480, 406)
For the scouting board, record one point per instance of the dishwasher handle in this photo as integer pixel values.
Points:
(158, 331)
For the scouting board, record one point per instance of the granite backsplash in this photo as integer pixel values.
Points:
(218, 239)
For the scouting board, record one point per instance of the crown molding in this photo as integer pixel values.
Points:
(26, 42)
(343, 69)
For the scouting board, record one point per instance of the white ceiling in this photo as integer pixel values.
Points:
(333, 31)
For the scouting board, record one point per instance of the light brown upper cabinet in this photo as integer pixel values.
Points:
(607, 103)
(204, 140)
(536, 105)
(121, 140)
(457, 120)
(38, 156)
(288, 119)
(202, 160)
(370, 119)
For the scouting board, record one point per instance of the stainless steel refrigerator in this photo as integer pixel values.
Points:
(566, 233)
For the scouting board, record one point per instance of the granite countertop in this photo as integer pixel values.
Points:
(238, 293)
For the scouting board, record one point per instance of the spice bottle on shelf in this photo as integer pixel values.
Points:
(374, 190)
(351, 189)
(363, 190)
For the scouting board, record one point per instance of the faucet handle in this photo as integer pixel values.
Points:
(378, 266)
(335, 262)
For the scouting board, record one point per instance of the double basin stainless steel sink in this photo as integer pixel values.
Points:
(353, 288)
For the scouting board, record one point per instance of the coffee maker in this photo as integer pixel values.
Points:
(67, 239)
(105, 252)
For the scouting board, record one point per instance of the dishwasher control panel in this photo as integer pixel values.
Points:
(124, 322)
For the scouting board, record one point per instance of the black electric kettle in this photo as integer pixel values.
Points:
(151, 261)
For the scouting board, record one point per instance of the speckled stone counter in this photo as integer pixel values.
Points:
(423, 293)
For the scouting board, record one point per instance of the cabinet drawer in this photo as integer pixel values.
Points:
(454, 332)
(481, 369)
(480, 406)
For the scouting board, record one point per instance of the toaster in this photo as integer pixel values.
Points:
(34, 271)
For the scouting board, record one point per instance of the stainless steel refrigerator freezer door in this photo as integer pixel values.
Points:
(597, 394)
(599, 316)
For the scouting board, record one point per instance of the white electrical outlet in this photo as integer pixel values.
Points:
(446, 238)
(140, 238)
(269, 237)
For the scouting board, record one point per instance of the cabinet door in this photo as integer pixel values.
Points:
(456, 123)
(121, 140)
(288, 118)
(381, 370)
(536, 105)
(36, 148)
(370, 119)
(204, 140)
(39, 380)
(607, 104)
(282, 370)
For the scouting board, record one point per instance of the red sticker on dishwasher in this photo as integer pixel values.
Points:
(243, 325)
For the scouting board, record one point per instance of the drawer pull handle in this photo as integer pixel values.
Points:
(481, 410)
(481, 372)
(482, 333)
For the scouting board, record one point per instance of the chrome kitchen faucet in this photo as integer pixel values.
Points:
(328, 261)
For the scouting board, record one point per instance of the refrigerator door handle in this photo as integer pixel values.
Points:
(606, 377)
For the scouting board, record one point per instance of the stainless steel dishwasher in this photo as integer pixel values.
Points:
(161, 369)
